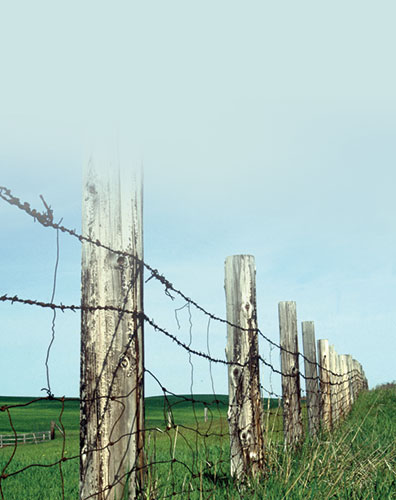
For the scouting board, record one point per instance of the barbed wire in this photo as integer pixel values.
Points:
(156, 327)
(46, 219)
(197, 437)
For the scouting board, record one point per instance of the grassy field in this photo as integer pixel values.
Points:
(358, 461)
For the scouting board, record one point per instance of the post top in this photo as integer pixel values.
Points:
(241, 256)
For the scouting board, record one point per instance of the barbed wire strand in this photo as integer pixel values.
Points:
(46, 219)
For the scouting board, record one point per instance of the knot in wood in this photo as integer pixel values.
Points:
(246, 438)
(121, 261)
(125, 363)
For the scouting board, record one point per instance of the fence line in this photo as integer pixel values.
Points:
(333, 383)
(25, 438)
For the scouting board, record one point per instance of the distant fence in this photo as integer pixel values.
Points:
(25, 438)
(120, 451)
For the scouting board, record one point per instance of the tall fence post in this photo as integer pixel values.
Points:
(112, 405)
(311, 376)
(324, 377)
(291, 394)
(245, 407)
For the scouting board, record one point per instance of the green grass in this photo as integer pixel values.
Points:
(357, 461)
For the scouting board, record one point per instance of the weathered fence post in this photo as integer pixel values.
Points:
(324, 377)
(339, 386)
(345, 404)
(350, 379)
(291, 394)
(311, 376)
(112, 412)
(365, 381)
(357, 377)
(52, 430)
(354, 379)
(333, 384)
(245, 406)
(362, 377)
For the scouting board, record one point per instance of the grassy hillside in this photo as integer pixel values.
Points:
(358, 461)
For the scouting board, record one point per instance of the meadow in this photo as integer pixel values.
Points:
(189, 458)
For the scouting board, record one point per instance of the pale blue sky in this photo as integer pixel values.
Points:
(264, 127)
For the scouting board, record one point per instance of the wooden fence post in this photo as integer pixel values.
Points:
(354, 379)
(344, 387)
(365, 386)
(357, 377)
(311, 376)
(357, 372)
(324, 377)
(170, 420)
(112, 413)
(362, 377)
(52, 430)
(350, 379)
(365, 381)
(291, 395)
(339, 386)
(333, 384)
(245, 407)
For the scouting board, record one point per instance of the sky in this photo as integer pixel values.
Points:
(264, 128)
